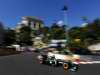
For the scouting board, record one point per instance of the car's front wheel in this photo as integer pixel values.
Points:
(42, 59)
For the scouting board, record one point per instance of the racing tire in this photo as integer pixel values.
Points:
(41, 61)
(65, 66)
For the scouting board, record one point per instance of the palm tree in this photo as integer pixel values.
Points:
(85, 19)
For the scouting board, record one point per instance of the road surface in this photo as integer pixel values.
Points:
(27, 64)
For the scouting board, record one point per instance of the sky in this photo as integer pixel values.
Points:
(49, 11)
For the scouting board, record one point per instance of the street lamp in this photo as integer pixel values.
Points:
(65, 9)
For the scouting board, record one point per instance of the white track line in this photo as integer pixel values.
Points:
(90, 62)
(96, 61)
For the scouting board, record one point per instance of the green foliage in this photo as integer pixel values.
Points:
(10, 37)
(1, 34)
(25, 36)
(88, 35)
(57, 32)
(45, 31)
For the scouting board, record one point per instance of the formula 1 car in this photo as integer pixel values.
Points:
(69, 65)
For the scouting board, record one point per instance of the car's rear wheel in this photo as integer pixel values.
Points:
(65, 66)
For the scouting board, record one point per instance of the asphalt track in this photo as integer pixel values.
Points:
(27, 64)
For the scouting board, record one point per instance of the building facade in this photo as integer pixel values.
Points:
(32, 22)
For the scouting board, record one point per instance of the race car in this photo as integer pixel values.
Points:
(69, 65)
(62, 56)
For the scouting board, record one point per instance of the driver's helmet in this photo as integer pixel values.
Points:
(52, 57)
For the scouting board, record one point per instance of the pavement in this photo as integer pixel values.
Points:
(27, 64)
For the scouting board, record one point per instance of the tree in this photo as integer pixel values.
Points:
(75, 32)
(57, 32)
(45, 31)
(10, 37)
(1, 34)
(94, 29)
(25, 36)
